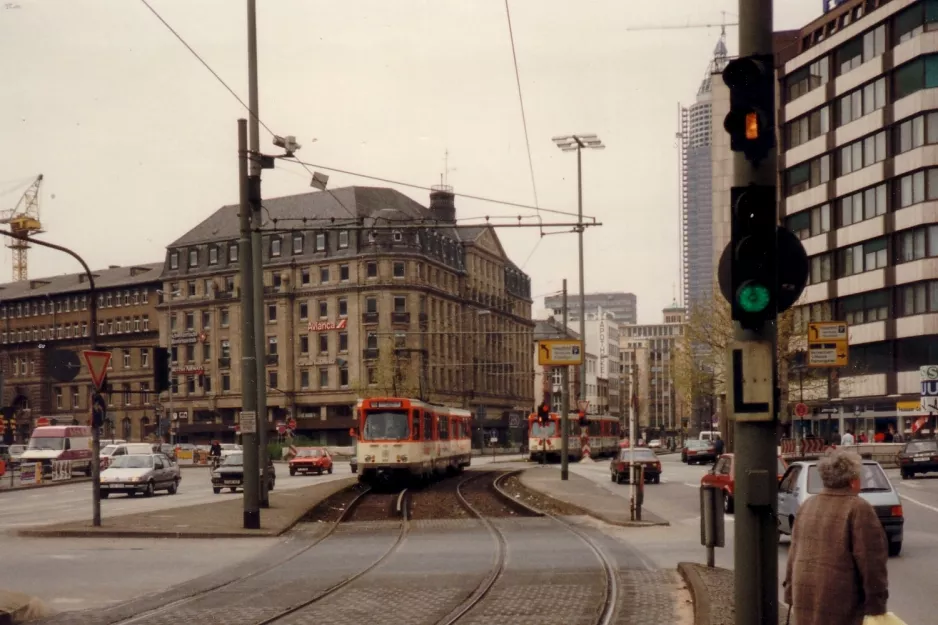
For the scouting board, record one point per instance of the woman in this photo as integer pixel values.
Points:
(837, 561)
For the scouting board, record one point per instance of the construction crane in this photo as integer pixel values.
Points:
(24, 222)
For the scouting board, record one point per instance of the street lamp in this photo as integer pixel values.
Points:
(578, 143)
(169, 345)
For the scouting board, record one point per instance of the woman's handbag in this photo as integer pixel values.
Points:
(883, 619)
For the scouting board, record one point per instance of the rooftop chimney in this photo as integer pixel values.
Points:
(443, 203)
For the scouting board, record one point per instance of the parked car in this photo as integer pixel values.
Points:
(140, 473)
(802, 481)
(620, 466)
(920, 456)
(309, 460)
(723, 477)
(655, 444)
(698, 451)
(230, 474)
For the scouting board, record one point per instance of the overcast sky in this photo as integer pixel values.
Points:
(137, 140)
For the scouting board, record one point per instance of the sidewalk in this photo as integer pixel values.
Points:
(595, 499)
(714, 593)
(208, 520)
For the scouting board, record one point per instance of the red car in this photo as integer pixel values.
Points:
(311, 459)
(620, 466)
(721, 475)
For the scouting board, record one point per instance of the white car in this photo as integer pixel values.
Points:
(140, 474)
(655, 444)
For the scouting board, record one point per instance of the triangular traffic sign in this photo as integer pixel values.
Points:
(97, 365)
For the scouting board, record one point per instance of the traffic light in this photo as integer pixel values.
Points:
(751, 120)
(160, 369)
(543, 414)
(581, 416)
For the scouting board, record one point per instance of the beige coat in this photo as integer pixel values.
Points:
(837, 562)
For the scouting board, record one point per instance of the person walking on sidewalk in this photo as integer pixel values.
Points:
(837, 560)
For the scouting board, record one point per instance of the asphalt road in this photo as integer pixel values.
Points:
(912, 580)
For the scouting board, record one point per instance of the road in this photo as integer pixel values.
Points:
(913, 584)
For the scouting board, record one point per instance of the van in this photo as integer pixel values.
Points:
(60, 442)
(109, 452)
(710, 435)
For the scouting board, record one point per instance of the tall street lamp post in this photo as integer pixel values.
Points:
(168, 297)
(578, 143)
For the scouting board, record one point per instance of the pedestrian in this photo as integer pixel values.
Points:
(847, 438)
(837, 561)
(719, 446)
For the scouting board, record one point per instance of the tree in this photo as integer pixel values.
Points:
(395, 375)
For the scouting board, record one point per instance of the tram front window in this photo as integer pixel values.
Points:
(386, 425)
(543, 431)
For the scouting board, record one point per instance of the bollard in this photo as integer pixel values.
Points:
(711, 521)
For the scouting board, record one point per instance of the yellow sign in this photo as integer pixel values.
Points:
(828, 344)
(559, 352)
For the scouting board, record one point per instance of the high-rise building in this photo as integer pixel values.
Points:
(623, 307)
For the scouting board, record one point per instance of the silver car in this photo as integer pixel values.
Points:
(802, 480)
(140, 474)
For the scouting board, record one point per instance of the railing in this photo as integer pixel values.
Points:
(400, 317)
(370, 317)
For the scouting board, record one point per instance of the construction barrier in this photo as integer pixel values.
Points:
(61, 470)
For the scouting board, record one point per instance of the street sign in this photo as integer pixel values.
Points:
(829, 410)
(248, 422)
(291, 424)
(559, 352)
(828, 344)
(514, 421)
(801, 410)
(752, 394)
(97, 365)
(42, 422)
(929, 398)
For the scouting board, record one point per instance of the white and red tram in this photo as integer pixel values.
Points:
(401, 439)
(602, 432)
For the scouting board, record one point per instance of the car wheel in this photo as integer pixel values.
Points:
(149, 491)
(612, 476)
(105, 495)
(330, 470)
(905, 475)
(233, 489)
(216, 490)
(319, 472)
(87, 470)
(173, 487)
(271, 487)
(292, 471)
(895, 549)
(728, 504)
(658, 479)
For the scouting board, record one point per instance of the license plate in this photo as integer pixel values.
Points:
(232, 482)
(922, 459)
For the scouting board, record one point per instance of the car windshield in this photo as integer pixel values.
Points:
(309, 453)
(233, 459)
(109, 450)
(697, 444)
(872, 479)
(640, 454)
(44, 443)
(132, 462)
(17, 449)
(781, 466)
(386, 425)
(918, 447)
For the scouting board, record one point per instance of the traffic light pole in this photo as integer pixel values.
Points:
(756, 534)
(565, 401)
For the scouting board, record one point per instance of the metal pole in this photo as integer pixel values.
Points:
(252, 513)
(254, 200)
(632, 433)
(565, 402)
(169, 334)
(580, 228)
(756, 535)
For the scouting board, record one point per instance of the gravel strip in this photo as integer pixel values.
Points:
(481, 495)
(375, 507)
(437, 501)
(516, 489)
(331, 509)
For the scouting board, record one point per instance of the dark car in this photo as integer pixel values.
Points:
(697, 451)
(619, 467)
(230, 474)
(919, 456)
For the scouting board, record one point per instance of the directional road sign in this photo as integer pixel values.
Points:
(828, 344)
(559, 352)
(752, 393)
(97, 365)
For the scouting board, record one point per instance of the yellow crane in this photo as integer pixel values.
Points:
(24, 222)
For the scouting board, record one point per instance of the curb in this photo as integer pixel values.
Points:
(77, 480)
(126, 533)
(592, 513)
(698, 592)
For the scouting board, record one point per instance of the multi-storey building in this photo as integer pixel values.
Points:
(623, 307)
(859, 184)
(44, 320)
(548, 381)
(602, 339)
(430, 309)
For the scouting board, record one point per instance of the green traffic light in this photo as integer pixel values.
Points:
(753, 297)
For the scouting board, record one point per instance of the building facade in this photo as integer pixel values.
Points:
(46, 325)
(602, 339)
(401, 301)
(623, 307)
(548, 381)
(859, 184)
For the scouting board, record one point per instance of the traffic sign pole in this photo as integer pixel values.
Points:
(565, 402)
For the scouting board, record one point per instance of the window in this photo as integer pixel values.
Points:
(864, 308)
(372, 376)
(849, 55)
(863, 153)
(304, 277)
(323, 344)
(810, 126)
(272, 379)
(323, 378)
(343, 377)
(226, 349)
(271, 313)
(174, 260)
(190, 289)
(298, 243)
(862, 101)
(863, 257)
(343, 273)
(321, 242)
(126, 359)
(910, 134)
(371, 342)
(233, 253)
(272, 345)
(343, 307)
(304, 311)
(323, 309)
(343, 239)
(919, 298)
(190, 353)
(910, 189)
(206, 351)
(275, 247)
(400, 340)
(915, 20)
(213, 255)
(343, 341)
(863, 205)
(917, 243)
(304, 344)
(193, 258)
(807, 175)
(820, 268)
(324, 275)
(371, 269)
(807, 78)
(399, 270)
(400, 303)
(371, 304)
(304, 379)
(224, 321)
(921, 73)
(58, 398)
(145, 358)
(225, 382)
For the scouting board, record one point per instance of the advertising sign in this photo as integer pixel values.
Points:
(30, 473)
(929, 398)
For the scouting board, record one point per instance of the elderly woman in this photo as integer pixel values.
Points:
(837, 561)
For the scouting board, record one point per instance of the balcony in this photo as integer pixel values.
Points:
(273, 359)
(400, 317)
(370, 317)
(232, 294)
(224, 362)
(370, 354)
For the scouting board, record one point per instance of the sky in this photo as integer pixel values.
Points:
(137, 141)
